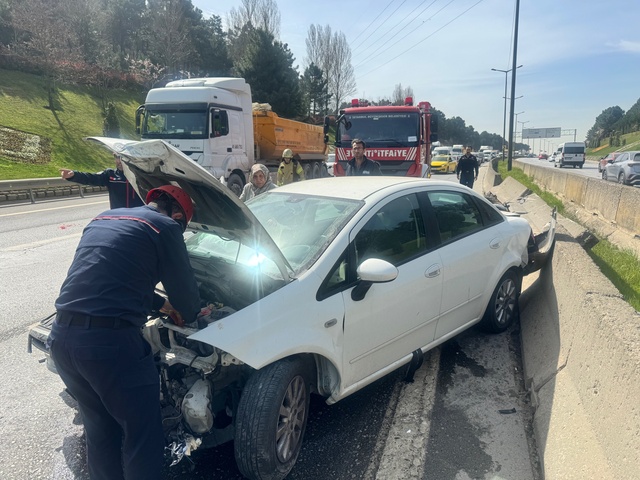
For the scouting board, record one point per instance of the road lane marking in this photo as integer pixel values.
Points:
(404, 449)
(51, 209)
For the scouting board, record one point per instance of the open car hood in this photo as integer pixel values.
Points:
(153, 163)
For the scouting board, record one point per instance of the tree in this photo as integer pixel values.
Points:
(260, 14)
(603, 126)
(331, 52)
(315, 91)
(400, 94)
(267, 66)
(169, 36)
(111, 124)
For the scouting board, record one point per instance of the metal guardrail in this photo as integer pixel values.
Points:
(34, 188)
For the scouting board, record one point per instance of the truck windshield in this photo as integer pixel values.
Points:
(165, 122)
(379, 129)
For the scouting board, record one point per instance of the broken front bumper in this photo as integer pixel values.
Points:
(540, 248)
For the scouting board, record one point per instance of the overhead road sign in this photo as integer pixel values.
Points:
(553, 132)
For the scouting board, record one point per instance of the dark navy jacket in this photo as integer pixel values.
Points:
(122, 255)
(121, 193)
(368, 167)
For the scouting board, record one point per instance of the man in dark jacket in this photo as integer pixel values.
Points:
(96, 341)
(467, 164)
(121, 193)
(360, 165)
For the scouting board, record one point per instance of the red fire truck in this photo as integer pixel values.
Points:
(397, 137)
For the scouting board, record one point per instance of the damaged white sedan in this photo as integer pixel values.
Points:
(323, 287)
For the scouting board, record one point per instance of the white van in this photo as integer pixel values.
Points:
(457, 151)
(570, 153)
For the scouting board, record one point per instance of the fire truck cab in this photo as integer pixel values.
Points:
(397, 137)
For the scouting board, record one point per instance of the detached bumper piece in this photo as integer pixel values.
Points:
(541, 249)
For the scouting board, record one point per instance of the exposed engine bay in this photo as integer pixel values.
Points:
(200, 385)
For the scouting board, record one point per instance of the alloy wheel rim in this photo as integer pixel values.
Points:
(291, 419)
(505, 304)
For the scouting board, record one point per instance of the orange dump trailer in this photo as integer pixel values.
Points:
(273, 134)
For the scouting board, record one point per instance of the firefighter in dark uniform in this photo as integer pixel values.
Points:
(467, 165)
(121, 193)
(360, 165)
(96, 341)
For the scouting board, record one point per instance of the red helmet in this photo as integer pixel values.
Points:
(178, 194)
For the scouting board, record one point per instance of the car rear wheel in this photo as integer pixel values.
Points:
(604, 175)
(621, 179)
(271, 420)
(503, 307)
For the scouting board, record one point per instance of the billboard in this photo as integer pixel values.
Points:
(553, 132)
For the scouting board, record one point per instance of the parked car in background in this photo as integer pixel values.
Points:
(373, 271)
(331, 159)
(552, 157)
(543, 156)
(602, 163)
(479, 156)
(443, 164)
(624, 169)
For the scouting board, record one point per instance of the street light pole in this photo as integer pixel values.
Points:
(516, 122)
(504, 118)
(513, 83)
(522, 129)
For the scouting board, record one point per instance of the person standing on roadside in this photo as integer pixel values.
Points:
(467, 168)
(289, 170)
(360, 165)
(259, 182)
(121, 193)
(96, 340)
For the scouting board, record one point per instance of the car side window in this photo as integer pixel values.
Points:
(456, 214)
(395, 233)
(621, 158)
(490, 216)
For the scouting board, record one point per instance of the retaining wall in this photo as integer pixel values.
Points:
(580, 347)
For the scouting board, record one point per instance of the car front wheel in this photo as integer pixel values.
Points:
(621, 179)
(604, 175)
(503, 308)
(271, 420)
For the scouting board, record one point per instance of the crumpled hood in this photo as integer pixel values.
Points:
(153, 163)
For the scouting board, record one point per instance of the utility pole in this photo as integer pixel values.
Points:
(513, 83)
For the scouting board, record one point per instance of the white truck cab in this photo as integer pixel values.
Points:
(207, 119)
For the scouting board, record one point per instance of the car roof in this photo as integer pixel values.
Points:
(360, 188)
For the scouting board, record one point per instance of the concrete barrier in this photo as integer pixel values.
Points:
(606, 208)
(581, 357)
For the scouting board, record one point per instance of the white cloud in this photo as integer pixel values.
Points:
(627, 46)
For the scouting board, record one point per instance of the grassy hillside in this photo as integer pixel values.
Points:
(78, 114)
(631, 140)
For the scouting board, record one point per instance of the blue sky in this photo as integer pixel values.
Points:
(579, 57)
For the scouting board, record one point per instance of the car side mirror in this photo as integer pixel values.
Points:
(372, 270)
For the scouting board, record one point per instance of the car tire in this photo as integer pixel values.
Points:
(503, 309)
(621, 179)
(604, 175)
(271, 420)
(581, 165)
(235, 184)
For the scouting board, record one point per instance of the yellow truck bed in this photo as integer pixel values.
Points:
(273, 134)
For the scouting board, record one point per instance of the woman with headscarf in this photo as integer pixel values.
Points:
(259, 182)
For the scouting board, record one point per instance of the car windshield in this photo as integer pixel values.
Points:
(302, 226)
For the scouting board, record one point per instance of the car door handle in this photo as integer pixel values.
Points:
(433, 271)
(495, 243)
